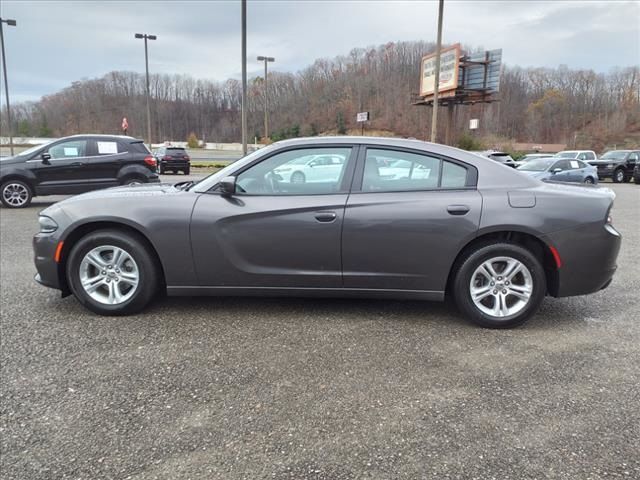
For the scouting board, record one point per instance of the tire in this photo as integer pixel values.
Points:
(298, 177)
(15, 194)
(515, 311)
(136, 260)
(589, 181)
(618, 176)
(636, 180)
(187, 171)
(160, 171)
(133, 181)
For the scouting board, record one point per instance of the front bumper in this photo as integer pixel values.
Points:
(588, 255)
(44, 248)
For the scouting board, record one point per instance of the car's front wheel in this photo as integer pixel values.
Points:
(589, 181)
(112, 272)
(15, 194)
(499, 285)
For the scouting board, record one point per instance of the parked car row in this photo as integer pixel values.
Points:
(574, 165)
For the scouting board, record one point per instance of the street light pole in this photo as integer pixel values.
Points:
(11, 23)
(146, 62)
(243, 21)
(434, 118)
(266, 91)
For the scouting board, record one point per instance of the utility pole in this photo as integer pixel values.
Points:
(244, 76)
(11, 23)
(146, 62)
(434, 118)
(266, 91)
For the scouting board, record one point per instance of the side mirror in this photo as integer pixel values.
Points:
(228, 185)
(45, 158)
(556, 170)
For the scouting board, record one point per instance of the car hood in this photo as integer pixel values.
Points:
(127, 191)
(11, 160)
(604, 162)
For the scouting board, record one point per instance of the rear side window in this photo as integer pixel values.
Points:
(395, 171)
(107, 147)
(588, 156)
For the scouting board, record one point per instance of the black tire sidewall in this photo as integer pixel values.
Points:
(147, 283)
(21, 182)
(468, 266)
(616, 174)
(299, 175)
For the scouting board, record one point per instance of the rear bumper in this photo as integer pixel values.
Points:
(174, 163)
(588, 256)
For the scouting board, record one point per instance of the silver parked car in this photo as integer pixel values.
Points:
(450, 223)
(561, 170)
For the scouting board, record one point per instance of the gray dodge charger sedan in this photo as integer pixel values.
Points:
(341, 216)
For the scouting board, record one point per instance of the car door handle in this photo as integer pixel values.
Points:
(458, 209)
(77, 164)
(326, 217)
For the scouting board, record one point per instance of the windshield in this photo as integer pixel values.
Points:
(537, 165)
(570, 154)
(29, 151)
(615, 155)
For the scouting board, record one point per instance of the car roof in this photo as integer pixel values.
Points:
(103, 136)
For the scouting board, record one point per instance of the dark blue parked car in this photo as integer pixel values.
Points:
(561, 170)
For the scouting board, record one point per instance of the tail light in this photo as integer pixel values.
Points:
(186, 157)
(151, 161)
(167, 158)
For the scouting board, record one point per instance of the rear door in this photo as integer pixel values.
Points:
(274, 233)
(106, 158)
(403, 231)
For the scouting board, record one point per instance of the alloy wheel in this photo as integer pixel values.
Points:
(501, 287)
(109, 275)
(15, 194)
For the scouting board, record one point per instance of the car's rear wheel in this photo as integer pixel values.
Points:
(618, 176)
(15, 194)
(133, 181)
(112, 272)
(298, 177)
(499, 285)
(187, 171)
(589, 181)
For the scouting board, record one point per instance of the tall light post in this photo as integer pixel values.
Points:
(266, 91)
(243, 22)
(11, 23)
(146, 62)
(434, 118)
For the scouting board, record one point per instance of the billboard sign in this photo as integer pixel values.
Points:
(449, 69)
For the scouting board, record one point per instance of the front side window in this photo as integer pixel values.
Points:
(395, 171)
(561, 164)
(71, 149)
(309, 171)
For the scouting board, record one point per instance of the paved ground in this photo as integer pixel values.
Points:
(319, 389)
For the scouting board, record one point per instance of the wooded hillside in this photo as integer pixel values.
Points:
(576, 107)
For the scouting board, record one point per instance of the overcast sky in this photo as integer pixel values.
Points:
(57, 42)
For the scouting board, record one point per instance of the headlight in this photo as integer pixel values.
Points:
(610, 165)
(47, 224)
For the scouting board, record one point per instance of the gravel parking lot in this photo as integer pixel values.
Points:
(320, 389)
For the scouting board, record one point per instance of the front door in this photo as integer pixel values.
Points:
(65, 171)
(407, 222)
(274, 232)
